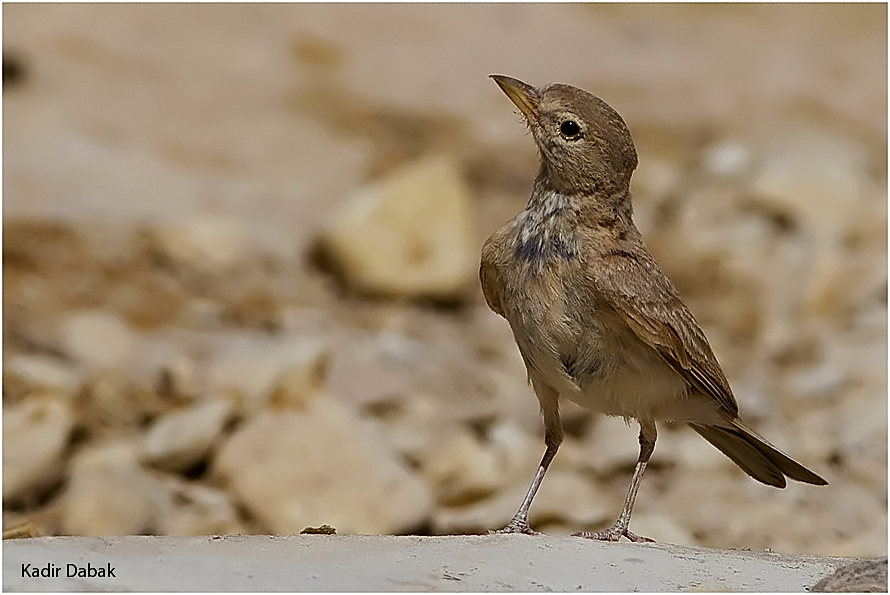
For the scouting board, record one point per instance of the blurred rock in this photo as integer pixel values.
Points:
(213, 243)
(98, 338)
(109, 401)
(414, 425)
(693, 451)
(564, 498)
(410, 234)
(814, 181)
(179, 378)
(257, 308)
(462, 470)
(182, 438)
(727, 158)
(656, 178)
(39, 370)
(661, 527)
(286, 370)
(147, 299)
(196, 509)
(298, 383)
(35, 434)
(109, 494)
(361, 374)
(293, 469)
(612, 445)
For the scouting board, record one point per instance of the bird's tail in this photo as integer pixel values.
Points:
(757, 457)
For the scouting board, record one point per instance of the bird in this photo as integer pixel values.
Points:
(595, 318)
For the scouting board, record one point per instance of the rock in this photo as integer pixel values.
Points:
(814, 181)
(568, 498)
(463, 470)
(179, 378)
(39, 370)
(862, 576)
(727, 158)
(612, 445)
(361, 373)
(413, 425)
(564, 498)
(198, 510)
(147, 299)
(694, 452)
(661, 527)
(214, 243)
(35, 434)
(182, 438)
(110, 402)
(256, 308)
(287, 371)
(656, 178)
(298, 383)
(109, 494)
(408, 235)
(295, 469)
(98, 338)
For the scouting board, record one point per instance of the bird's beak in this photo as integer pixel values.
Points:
(522, 94)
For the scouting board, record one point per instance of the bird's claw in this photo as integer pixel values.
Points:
(516, 526)
(613, 533)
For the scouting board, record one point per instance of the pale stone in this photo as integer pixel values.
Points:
(110, 401)
(363, 375)
(569, 498)
(693, 451)
(727, 158)
(462, 470)
(815, 180)
(197, 509)
(413, 425)
(43, 371)
(182, 438)
(259, 370)
(35, 433)
(662, 528)
(213, 243)
(297, 384)
(410, 234)
(656, 178)
(612, 445)
(98, 338)
(109, 494)
(565, 498)
(293, 469)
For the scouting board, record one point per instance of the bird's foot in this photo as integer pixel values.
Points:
(613, 533)
(517, 525)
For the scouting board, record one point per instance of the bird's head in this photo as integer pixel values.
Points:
(585, 145)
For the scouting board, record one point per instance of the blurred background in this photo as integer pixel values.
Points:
(240, 246)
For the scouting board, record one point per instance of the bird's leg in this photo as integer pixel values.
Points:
(648, 434)
(549, 400)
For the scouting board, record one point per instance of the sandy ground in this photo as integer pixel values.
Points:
(371, 563)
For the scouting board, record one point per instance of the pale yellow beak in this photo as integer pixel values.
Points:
(522, 94)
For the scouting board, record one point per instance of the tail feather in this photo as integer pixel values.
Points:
(757, 457)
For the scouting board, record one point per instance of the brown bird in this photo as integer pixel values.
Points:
(594, 317)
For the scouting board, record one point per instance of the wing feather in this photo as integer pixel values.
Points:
(633, 285)
(488, 276)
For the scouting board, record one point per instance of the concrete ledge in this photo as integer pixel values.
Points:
(384, 563)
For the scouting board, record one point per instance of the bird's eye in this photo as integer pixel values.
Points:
(570, 129)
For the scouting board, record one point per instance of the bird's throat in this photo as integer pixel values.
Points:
(546, 229)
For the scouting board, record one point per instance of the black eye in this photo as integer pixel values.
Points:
(570, 129)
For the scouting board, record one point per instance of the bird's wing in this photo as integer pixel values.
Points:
(635, 287)
(488, 276)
